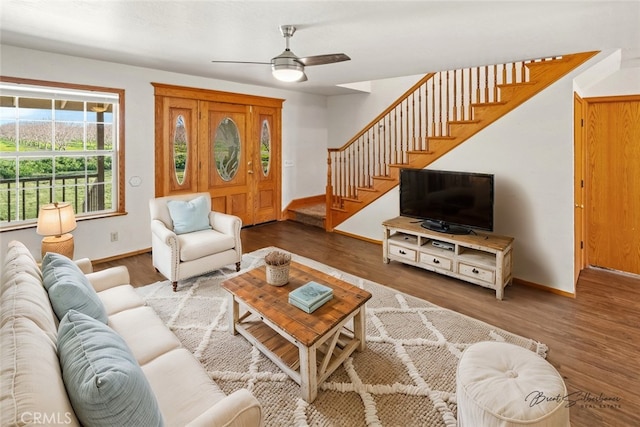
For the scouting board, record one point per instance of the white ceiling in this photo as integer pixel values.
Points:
(383, 38)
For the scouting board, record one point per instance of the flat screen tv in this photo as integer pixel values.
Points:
(447, 201)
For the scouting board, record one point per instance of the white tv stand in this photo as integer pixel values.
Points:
(483, 259)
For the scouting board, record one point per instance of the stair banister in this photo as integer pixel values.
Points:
(451, 107)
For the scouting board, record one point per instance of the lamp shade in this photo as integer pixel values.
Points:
(56, 219)
(287, 69)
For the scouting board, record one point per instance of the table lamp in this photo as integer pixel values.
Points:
(55, 221)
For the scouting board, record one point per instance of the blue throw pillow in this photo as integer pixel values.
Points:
(189, 216)
(51, 261)
(105, 384)
(69, 288)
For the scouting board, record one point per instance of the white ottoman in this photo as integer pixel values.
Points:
(501, 384)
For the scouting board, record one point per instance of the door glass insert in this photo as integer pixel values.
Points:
(265, 147)
(226, 149)
(180, 148)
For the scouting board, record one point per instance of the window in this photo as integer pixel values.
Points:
(59, 142)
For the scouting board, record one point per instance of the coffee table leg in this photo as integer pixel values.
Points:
(234, 314)
(308, 373)
(359, 329)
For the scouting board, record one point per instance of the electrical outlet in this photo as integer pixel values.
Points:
(114, 236)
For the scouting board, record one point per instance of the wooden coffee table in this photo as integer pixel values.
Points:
(307, 347)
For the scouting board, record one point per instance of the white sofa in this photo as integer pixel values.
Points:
(32, 390)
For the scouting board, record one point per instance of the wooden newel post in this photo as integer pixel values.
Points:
(329, 194)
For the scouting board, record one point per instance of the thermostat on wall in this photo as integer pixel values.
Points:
(135, 181)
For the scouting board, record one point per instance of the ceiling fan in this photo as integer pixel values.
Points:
(288, 67)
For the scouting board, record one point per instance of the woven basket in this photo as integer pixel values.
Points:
(278, 275)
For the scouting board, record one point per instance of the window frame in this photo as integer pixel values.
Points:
(119, 204)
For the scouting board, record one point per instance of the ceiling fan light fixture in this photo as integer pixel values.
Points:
(287, 70)
(287, 67)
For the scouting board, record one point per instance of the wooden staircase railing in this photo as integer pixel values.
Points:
(434, 116)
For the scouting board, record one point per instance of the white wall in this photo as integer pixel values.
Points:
(304, 133)
(530, 151)
(349, 114)
(623, 82)
(609, 77)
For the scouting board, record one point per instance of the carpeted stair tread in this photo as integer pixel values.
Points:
(314, 215)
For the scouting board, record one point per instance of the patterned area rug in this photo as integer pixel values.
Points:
(406, 376)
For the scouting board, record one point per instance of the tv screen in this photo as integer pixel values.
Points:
(447, 201)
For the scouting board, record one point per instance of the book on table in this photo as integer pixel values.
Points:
(312, 308)
(310, 296)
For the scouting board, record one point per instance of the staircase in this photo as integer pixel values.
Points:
(433, 117)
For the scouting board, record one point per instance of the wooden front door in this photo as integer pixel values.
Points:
(613, 183)
(241, 160)
(226, 144)
(225, 153)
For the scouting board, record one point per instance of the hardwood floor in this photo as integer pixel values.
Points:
(593, 339)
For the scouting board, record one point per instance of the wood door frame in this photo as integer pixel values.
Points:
(579, 180)
(581, 158)
(162, 90)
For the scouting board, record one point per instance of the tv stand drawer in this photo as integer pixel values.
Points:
(477, 272)
(435, 261)
(402, 252)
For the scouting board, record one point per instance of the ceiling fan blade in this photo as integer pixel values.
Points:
(241, 62)
(324, 59)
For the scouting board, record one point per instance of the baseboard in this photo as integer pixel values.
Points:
(544, 288)
(355, 236)
(121, 256)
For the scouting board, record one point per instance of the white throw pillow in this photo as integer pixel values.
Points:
(189, 216)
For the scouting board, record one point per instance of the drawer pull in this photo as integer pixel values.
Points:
(402, 252)
(436, 261)
(475, 271)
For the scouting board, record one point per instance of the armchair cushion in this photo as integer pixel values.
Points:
(200, 244)
(189, 216)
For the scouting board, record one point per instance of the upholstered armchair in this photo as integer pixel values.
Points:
(188, 239)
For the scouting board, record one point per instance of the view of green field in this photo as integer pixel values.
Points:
(75, 177)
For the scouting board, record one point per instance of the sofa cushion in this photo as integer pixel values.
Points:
(204, 243)
(69, 288)
(120, 298)
(189, 216)
(105, 384)
(148, 342)
(182, 386)
(30, 379)
(18, 260)
(22, 291)
(25, 297)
